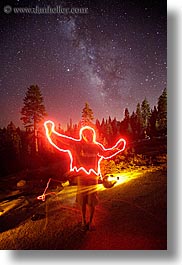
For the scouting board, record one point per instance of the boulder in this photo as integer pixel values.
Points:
(21, 183)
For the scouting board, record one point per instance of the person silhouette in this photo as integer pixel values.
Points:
(85, 155)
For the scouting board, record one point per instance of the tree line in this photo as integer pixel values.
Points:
(143, 123)
(25, 149)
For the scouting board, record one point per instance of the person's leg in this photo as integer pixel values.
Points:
(83, 211)
(81, 199)
(91, 211)
(91, 225)
(92, 202)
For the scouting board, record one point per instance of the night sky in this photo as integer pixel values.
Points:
(112, 57)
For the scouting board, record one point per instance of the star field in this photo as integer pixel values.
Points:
(113, 57)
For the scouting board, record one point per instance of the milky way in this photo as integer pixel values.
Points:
(112, 57)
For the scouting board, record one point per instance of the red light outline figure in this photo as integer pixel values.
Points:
(113, 151)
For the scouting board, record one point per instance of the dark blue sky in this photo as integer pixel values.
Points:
(113, 57)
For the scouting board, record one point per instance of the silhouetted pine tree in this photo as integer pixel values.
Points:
(153, 121)
(87, 115)
(134, 125)
(145, 111)
(139, 120)
(162, 112)
(33, 111)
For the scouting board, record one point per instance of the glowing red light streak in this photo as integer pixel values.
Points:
(113, 150)
(106, 153)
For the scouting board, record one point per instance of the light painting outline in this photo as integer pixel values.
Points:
(75, 169)
(72, 169)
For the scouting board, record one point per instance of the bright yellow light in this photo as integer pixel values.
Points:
(120, 178)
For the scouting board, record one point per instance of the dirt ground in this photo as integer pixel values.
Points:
(129, 216)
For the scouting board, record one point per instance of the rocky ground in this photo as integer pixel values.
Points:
(130, 215)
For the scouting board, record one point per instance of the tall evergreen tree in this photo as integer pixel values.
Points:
(145, 110)
(14, 137)
(138, 112)
(33, 110)
(87, 115)
(162, 112)
(115, 126)
(126, 114)
(125, 125)
(103, 123)
(153, 121)
(97, 123)
(109, 120)
(133, 122)
(139, 119)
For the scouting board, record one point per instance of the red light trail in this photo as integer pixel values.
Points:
(100, 151)
(85, 153)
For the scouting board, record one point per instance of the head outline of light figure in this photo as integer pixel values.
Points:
(52, 127)
(88, 134)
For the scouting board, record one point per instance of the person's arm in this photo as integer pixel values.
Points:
(60, 141)
(107, 153)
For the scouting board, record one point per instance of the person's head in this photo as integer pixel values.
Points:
(87, 134)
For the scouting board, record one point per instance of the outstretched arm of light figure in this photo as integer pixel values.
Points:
(58, 140)
(107, 153)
